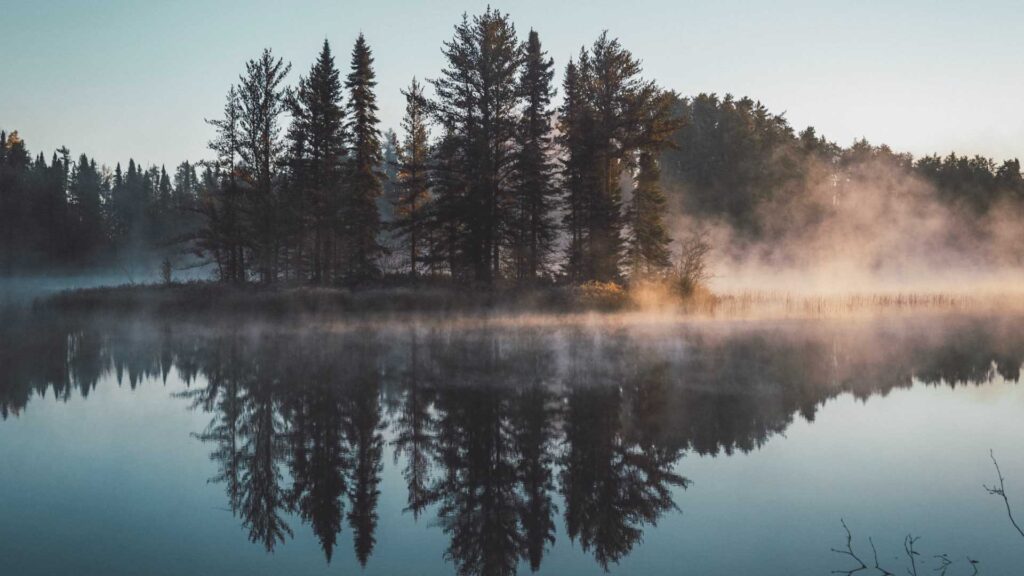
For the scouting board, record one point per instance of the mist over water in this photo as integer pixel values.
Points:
(867, 229)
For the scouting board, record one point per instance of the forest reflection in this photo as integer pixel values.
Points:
(499, 434)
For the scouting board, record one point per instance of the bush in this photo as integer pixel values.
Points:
(691, 272)
(601, 295)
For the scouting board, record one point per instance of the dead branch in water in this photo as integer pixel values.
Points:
(944, 562)
(1001, 492)
(853, 554)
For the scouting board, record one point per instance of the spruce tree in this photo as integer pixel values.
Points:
(477, 100)
(361, 217)
(222, 236)
(261, 101)
(86, 208)
(648, 241)
(413, 184)
(576, 167)
(532, 228)
(317, 137)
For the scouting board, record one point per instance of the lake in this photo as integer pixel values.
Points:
(508, 446)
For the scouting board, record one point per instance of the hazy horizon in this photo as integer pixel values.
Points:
(116, 80)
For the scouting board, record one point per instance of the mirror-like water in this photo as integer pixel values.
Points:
(440, 448)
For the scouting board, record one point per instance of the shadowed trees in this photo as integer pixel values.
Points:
(361, 223)
(532, 230)
(476, 101)
(317, 153)
(411, 224)
(491, 185)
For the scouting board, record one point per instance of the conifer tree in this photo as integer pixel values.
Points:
(532, 228)
(575, 171)
(221, 204)
(86, 207)
(413, 184)
(361, 217)
(648, 241)
(603, 127)
(317, 137)
(261, 99)
(477, 100)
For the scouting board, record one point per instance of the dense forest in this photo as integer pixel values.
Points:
(498, 174)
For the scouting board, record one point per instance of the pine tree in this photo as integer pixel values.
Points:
(648, 242)
(317, 137)
(576, 166)
(603, 127)
(86, 208)
(532, 227)
(261, 100)
(222, 236)
(477, 100)
(413, 184)
(362, 219)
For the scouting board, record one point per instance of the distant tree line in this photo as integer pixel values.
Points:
(72, 214)
(488, 181)
(733, 160)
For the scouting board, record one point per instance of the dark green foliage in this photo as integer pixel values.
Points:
(72, 215)
(648, 241)
(361, 222)
(483, 188)
(413, 183)
(316, 159)
(609, 114)
(477, 97)
(532, 230)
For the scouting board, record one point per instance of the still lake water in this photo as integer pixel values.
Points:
(565, 448)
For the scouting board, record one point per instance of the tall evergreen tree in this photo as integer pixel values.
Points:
(413, 184)
(362, 219)
(648, 240)
(477, 100)
(86, 208)
(603, 122)
(317, 137)
(223, 234)
(574, 129)
(532, 228)
(261, 99)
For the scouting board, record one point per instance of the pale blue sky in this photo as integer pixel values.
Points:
(116, 79)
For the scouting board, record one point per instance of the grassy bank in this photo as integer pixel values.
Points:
(199, 299)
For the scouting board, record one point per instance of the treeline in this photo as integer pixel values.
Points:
(735, 161)
(484, 186)
(487, 180)
(71, 214)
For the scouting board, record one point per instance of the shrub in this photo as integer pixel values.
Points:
(601, 295)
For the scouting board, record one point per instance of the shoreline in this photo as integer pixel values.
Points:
(562, 303)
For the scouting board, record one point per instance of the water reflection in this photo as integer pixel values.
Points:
(499, 434)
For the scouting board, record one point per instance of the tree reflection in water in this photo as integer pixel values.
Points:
(499, 434)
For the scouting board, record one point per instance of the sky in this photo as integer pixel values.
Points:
(118, 79)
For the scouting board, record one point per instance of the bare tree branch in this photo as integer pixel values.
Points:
(1001, 492)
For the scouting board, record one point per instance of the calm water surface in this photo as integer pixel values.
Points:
(136, 447)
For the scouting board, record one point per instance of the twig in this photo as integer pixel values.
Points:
(849, 552)
(852, 554)
(875, 552)
(908, 547)
(1001, 492)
